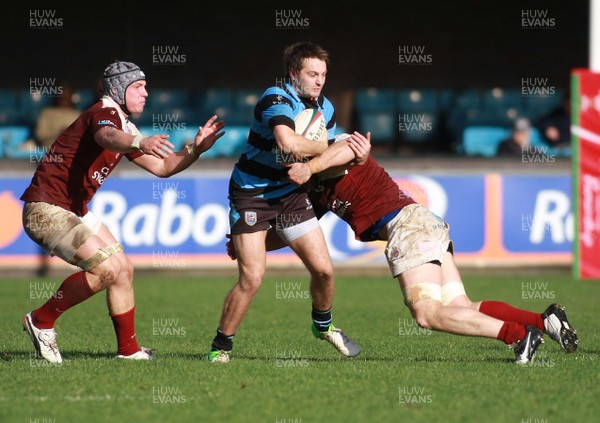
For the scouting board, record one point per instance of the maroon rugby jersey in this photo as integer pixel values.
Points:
(75, 166)
(361, 197)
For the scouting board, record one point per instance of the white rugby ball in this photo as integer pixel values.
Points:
(311, 124)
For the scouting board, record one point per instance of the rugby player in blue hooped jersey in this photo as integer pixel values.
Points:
(261, 196)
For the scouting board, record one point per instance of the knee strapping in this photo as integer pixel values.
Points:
(101, 255)
(422, 291)
(451, 291)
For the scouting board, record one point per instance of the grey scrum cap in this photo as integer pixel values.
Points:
(117, 77)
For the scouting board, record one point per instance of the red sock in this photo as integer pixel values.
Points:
(125, 329)
(508, 313)
(73, 290)
(511, 332)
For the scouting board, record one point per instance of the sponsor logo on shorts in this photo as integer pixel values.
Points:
(250, 218)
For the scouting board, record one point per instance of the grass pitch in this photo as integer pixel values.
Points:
(281, 373)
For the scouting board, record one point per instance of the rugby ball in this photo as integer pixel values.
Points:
(311, 124)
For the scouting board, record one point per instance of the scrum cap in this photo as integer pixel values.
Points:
(117, 77)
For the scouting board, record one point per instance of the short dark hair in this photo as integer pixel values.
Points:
(294, 55)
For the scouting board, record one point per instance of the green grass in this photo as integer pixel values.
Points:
(279, 372)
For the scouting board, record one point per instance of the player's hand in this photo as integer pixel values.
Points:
(208, 134)
(157, 146)
(299, 173)
(360, 146)
(230, 248)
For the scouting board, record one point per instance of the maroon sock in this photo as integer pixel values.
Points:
(73, 290)
(508, 313)
(125, 329)
(511, 332)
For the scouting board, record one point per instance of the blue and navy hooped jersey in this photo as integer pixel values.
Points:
(258, 173)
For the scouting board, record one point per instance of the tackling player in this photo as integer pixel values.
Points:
(56, 216)
(419, 251)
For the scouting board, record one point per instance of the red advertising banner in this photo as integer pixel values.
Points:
(585, 131)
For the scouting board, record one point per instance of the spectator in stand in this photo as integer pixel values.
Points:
(555, 127)
(519, 141)
(54, 119)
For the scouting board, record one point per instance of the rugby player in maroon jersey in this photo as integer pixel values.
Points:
(56, 216)
(347, 181)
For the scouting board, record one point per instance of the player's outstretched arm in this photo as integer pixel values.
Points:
(338, 156)
(118, 141)
(174, 163)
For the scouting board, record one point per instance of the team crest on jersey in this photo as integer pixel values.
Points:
(308, 204)
(250, 218)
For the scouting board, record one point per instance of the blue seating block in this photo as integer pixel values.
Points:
(11, 141)
(483, 140)
(375, 99)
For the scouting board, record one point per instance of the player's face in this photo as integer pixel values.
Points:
(311, 78)
(135, 97)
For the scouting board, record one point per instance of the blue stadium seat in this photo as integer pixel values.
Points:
(536, 138)
(233, 143)
(409, 100)
(84, 98)
(537, 106)
(168, 118)
(8, 99)
(418, 127)
(219, 101)
(11, 141)
(244, 102)
(459, 119)
(30, 104)
(376, 110)
(175, 134)
(163, 100)
(375, 99)
(445, 99)
(383, 126)
(148, 130)
(483, 140)
(469, 99)
(12, 117)
(501, 99)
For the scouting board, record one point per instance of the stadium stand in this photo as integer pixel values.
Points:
(11, 142)
(376, 111)
(467, 119)
(483, 141)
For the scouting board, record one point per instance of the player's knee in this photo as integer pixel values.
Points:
(323, 273)
(423, 317)
(250, 282)
(248, 288)
(126, 270)
(107, 272)
(424, 323)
